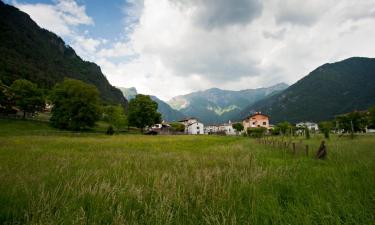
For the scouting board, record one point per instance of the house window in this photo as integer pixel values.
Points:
(253, 123)
(264, 123)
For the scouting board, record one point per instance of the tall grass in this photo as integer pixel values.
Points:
(60, 178)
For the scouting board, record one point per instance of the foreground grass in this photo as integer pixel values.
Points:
(48, 177)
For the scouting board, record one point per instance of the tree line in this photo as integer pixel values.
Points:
(76, 105)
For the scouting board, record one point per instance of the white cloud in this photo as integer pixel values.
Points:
(59, 18)
(173, 47)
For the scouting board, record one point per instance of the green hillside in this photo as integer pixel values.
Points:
(30, 52)
(327, 91)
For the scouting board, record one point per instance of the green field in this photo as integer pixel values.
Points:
(53, 177)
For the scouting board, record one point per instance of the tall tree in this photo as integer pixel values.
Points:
(143, 112)
(238, 127)
(27, 96)
(115, 116)
(326, 127)
(353, 122)
(75, 105)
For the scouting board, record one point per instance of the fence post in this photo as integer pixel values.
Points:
(294, 148)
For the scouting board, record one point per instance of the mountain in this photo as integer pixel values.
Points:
(168, 114)
(129, 93)
(30, 52)
(329, 90)
(217, 106)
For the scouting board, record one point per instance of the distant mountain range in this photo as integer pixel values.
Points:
(168, 114)
(30, 52)
(217, 106)
(329, 90)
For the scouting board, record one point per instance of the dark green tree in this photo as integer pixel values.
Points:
(284, 128)
(353, 122)
(115, 116)
(143, 112)
(75, 105)
(371, 117)
(326, 127)
(27, 96)
(238, 127)
(6, 99)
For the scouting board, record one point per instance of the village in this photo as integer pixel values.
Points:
(192, 126)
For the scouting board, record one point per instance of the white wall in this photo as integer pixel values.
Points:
(195, 128)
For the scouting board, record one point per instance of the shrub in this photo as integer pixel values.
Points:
(256, 132)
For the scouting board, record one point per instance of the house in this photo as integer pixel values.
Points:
(227, 128)
(211, 129)
(310, 125)
(192, 126)
(256, 120)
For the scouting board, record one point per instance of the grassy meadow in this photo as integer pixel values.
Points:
(53, 177)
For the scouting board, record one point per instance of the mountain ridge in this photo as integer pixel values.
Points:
(30, 52)
(329, 90)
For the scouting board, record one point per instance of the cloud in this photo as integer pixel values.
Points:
(173, 47)
(60, 18)
(218, 13)
(298, 12)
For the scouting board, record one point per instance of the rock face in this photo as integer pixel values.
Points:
(329, 90)
(217, 106)
(30, 52)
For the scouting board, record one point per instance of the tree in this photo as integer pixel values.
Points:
(372, 117)
(143, 112)
(75, 105)
(238, 127)
(353, 122)
(178, 126)
(284, 127)
(6, 99)
(27, 96)
(326, 128)
(115, 116)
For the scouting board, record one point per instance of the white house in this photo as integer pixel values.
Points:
(310, 125)
(211, 129)
(193, 126)
(227, 128)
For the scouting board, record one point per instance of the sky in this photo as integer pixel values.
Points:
(172, 47)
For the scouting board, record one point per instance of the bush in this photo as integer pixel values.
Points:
(179, 127)
(256, 132)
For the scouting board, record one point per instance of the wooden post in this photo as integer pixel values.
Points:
(307, 150)
(285, 144)
(294, 148)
